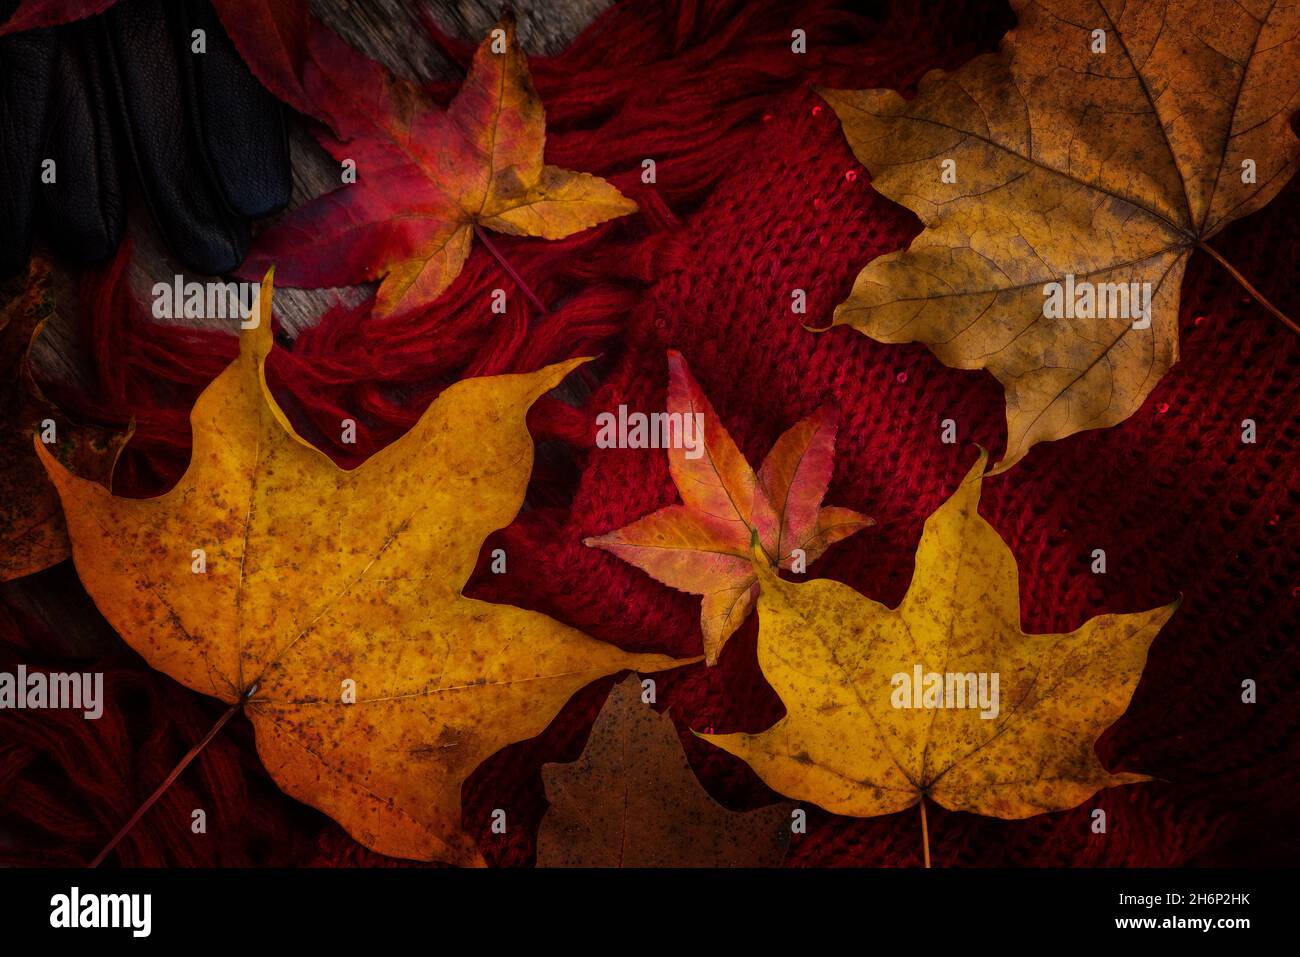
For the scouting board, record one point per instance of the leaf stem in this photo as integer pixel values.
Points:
(175, 773)
(519, 280)
(1245, 284)
(925, 833)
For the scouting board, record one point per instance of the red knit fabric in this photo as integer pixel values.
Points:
(757, 194)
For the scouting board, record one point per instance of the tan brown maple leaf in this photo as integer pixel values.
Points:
(1105, 142)
(632, 800)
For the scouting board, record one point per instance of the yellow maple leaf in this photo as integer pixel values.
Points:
(270, 578)
(1096, 150)
(1014, 735)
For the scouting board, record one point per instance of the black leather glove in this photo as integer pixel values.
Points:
(121, 91)
(26, 66)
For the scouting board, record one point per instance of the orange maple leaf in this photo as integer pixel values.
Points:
(703, 546)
